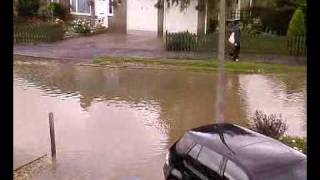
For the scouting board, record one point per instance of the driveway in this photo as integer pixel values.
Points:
(135, 43)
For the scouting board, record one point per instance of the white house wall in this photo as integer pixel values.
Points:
(177, 20)
(142, 15)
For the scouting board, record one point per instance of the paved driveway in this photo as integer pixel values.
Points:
(135, 43)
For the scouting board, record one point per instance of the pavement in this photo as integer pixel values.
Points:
(133, 44)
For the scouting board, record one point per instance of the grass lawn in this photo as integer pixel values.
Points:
(201, 65)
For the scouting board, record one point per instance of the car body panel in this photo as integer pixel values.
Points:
(256, 154)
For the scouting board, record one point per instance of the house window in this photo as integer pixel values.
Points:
(80, 7)
(110, 12)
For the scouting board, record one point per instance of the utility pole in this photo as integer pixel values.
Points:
(221, 52)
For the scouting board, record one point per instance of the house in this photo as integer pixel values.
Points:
(144, 15)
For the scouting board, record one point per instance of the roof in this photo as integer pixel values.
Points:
(255, 152)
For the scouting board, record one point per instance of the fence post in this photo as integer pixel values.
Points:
(296, 44)
(166, 39)
(288, 44)
(291, 45)
(300, 46)
(52, 137)
(304, 45)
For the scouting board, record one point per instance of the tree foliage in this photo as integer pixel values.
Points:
(27, 7)
(275, 15)
(57, 10)
(297, 24)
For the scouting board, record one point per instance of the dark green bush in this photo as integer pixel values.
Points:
(212, 25)
(27, 7)
(57, 10)
(272, 125)
(181, 41)
(274, 19)
(297, 24)
(33, 33)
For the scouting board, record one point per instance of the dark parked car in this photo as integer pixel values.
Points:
(231, 152)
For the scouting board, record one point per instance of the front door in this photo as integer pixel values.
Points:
(101, 11)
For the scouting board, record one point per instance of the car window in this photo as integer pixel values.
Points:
(210, 159)
(184, 144)
(234, 172)
(194, 152)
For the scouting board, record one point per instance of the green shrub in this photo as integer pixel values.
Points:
(15, 11)
(57, 10)
(27, 7)
(297, 143)
(274, 19)
(212, 25)
(33, 33)
(181, 41)
(297, 25)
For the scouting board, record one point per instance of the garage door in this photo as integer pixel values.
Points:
(142, 15)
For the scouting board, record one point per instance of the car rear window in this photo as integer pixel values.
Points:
(210, 159)
(194, 152)
(184, 144)
(234, 172)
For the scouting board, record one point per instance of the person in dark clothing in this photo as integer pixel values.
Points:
(235, 30)
(236, 45)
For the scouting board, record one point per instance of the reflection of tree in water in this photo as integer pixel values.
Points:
(292, 83)
(186, 99)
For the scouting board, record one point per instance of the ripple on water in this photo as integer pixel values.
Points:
(125, 124)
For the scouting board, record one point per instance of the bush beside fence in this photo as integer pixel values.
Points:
(250, 43)
(44, 32)
(263, 44)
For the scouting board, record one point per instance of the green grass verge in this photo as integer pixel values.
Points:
(202, 65)
(297, 143)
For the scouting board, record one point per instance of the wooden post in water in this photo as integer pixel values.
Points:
(221, 51)
(52, 137)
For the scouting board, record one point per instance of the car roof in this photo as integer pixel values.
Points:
(254, 152)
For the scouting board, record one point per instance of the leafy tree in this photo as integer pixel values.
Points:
(27, 7)
(297, 25)
(57, 10)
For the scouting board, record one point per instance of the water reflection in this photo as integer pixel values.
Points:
(272, 94)
(117, 123)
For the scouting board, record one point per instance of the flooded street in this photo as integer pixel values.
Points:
(116, 123)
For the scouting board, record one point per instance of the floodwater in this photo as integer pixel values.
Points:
(114, 123)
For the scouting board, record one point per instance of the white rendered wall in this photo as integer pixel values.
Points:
(142, 15)
(177, 20)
